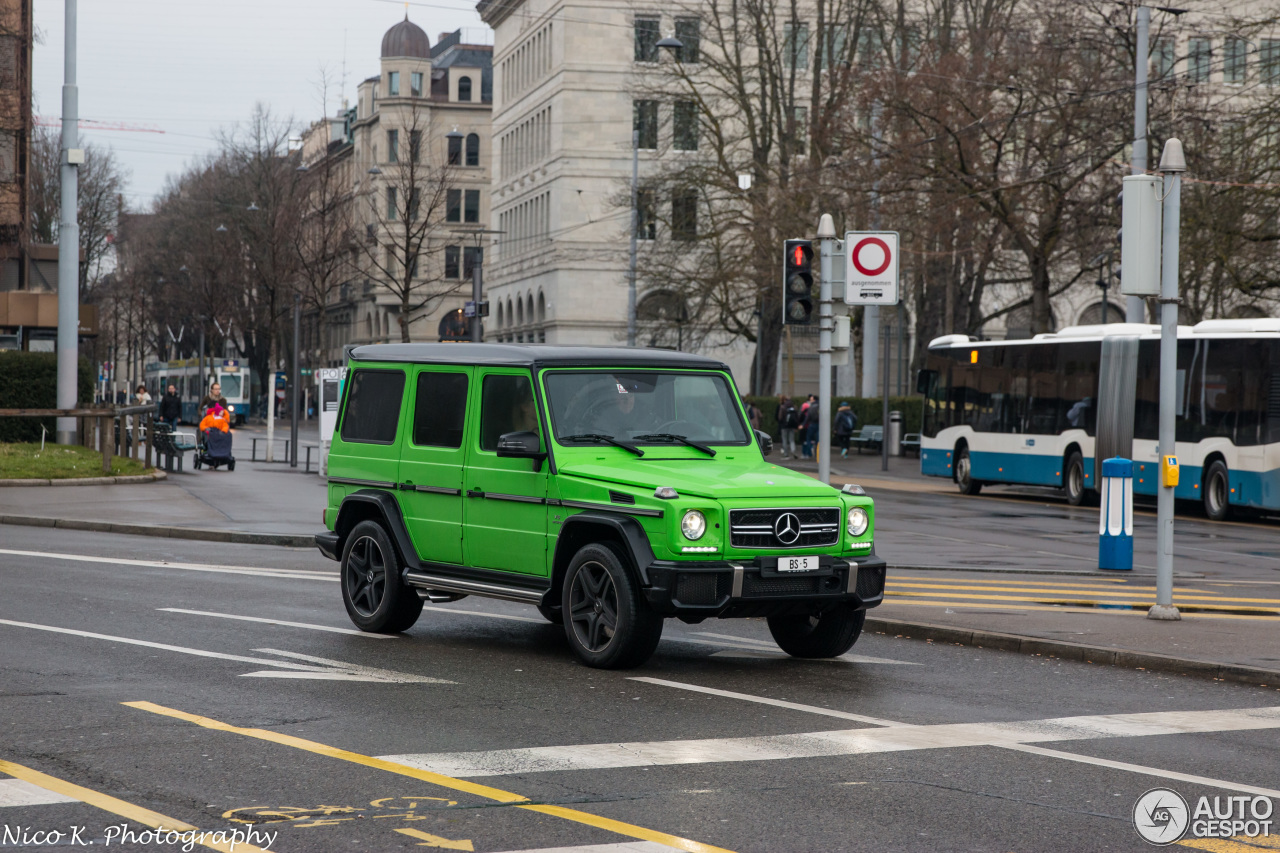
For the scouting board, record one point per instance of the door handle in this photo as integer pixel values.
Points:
(474, 493)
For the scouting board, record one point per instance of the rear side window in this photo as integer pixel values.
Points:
(507, 406)
(440, 410)
(373, 406)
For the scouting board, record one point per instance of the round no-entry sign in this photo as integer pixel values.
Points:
(871, 267)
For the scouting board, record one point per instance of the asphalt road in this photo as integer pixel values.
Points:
(222, 685)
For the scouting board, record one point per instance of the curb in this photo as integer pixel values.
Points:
(286, 540)
(133, 479)
(1082, 573)
(1077, 652)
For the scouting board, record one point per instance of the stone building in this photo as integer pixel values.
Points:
(417, 139)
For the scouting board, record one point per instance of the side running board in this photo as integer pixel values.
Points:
(523, 595)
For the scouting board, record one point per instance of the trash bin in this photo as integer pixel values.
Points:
(894, 435)
(1115, 522)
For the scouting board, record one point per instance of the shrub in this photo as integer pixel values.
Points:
(29, 380)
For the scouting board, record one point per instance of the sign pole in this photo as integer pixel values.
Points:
(826, 322)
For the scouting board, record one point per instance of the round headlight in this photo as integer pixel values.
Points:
(693, 525)
(857, 521)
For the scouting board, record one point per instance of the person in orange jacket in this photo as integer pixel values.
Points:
(217, 418)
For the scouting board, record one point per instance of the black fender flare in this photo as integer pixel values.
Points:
(355, 507)
(627, 530)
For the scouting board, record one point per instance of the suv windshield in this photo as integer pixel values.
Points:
(643, 408)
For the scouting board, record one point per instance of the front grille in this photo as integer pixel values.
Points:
(701, 588)
(754, 585)
(870, 582)
(754, 528)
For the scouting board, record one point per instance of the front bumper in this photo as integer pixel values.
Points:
(734, 588)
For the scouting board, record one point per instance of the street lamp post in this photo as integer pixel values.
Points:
(69, 238)
(477, 278)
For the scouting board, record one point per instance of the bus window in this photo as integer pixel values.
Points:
(231, 385)
(1079, 386)
(992, 382)
(1043, 380)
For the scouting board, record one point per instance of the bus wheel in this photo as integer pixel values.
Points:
(1216, 490)
(964, 473)
(1073, 482)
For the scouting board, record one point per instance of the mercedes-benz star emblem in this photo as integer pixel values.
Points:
(787, 528)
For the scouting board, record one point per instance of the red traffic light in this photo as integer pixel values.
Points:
(797, 256)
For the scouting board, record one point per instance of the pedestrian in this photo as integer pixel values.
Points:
(170, 406)
(809, 429)
(214, 398)
(846, 423)
(142, 397)
(753, 415)
(788, 419)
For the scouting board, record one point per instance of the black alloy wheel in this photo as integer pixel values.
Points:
(1073, 481)
(1216, 490)
(377, 600)
(964, 473)
(606, 619)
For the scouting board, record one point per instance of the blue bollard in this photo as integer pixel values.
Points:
(1115, 523)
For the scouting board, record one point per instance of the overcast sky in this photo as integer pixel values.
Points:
(191, 67)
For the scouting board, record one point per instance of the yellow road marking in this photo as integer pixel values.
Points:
(1185, 594)
(126, 810)
(1065, 608)
(430, 840)
(934, 579)
(1078, 602)
(1238, 844)
(621, 828)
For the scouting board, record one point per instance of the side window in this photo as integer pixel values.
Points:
(373, 406)
(506, 405)
(440, 410)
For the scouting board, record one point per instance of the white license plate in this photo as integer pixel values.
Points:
(798, 564)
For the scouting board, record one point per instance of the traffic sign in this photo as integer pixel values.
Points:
(871, 267)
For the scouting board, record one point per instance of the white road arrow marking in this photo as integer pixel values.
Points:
(308, 625)
(291, 574)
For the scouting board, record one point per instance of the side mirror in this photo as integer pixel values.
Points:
(924, 381)
(522, 445)
(765, 441)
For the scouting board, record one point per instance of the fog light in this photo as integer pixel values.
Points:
(693, 525)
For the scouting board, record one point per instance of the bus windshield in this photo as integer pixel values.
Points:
(643, 407)
(230, 385)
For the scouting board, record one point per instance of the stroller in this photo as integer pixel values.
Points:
(215, 449)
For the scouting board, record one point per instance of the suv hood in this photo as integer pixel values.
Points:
(701, 477)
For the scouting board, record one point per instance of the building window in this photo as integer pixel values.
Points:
(1269, 57)
(453, 206)
(415, 84)
(1199, 55)
(646, 216)
(393, 146)
(415, 145)
(472, 213)
(455, 150)
(834, 40)
(687, 33)
(800, 129)
(473, 149)
(470, 255)
(685, 126)
(646, 123)
(1163, 57)
(391, 203)
(684, 215)
(451, 255)
(393, 83)
(647, 40)
(414, 205)
(1235, 58)
(795, 44)
(464, 88)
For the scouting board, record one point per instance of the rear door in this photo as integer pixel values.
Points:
(431, 461)
(505, 503)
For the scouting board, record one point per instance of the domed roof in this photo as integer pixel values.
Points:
(406, 39)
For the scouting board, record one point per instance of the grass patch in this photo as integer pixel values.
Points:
(58, 462)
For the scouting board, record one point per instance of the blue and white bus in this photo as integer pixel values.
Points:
(1046, 411)
(231, 373)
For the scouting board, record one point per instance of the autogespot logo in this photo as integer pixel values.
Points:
(1160, 816)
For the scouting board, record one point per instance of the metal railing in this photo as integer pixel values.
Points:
(115, 432)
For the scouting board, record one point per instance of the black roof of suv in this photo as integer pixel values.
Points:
(534, 355)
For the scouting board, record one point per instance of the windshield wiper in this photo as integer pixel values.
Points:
(670, 436)
(606, 439)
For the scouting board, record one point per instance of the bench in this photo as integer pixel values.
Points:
(868, 437)
(911, 444)
(172, 445)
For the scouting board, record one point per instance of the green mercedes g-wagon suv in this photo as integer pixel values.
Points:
(609, 487)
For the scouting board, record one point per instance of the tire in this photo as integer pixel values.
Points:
(964, 473)
(376, 599)
(554, 615)
(231, 466)
(607, 620)
(1216, 491)
(826, 635)
(1073, 479)
(196, 463)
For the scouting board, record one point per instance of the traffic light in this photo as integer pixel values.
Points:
(797, 283)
